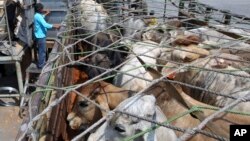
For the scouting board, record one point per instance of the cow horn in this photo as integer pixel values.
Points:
(154, 73)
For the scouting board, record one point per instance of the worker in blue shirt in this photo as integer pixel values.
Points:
(40, 32)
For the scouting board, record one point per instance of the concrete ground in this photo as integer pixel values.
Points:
(9, 119)
(9, 123)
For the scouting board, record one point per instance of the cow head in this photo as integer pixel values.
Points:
(84, 112)
(156, 35)
(78, 76)
(99, 60)
(127, 126)
(171, 70)
(188, 73)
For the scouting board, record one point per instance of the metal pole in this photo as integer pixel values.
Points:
(165, 8)
(7, 23)
(8, 95)
(227, 17)
(191, 6)
(24, 89)
(27, 15)
(19, 78)
(123, 13)
(208, 11)
(142, 9)
(181, 7)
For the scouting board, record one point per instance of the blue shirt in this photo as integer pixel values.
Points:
(40, 26)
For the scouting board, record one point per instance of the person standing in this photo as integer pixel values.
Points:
(40, 32)
(11, 7)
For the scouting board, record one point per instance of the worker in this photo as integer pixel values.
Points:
(11, 7)
(40, 32)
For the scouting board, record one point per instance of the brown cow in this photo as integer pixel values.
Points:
(174, 101)
(186, 40)
(214, 81)
(78, 76)
(106, 95)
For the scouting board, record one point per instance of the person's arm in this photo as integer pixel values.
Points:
(57, 26)
(44, 23)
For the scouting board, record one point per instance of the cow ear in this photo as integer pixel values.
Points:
(171, 76)
(220, 66)
(97, 90)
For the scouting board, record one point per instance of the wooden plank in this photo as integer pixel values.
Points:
(50, 44)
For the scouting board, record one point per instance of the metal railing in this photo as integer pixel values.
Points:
(12, 52)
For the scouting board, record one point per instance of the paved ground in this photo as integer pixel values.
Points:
(9, 123)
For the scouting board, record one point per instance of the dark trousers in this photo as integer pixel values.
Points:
(41, 46)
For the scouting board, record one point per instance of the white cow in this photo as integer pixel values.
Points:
(93, 16)
(122, 126)
(150, 51)
(132, 25)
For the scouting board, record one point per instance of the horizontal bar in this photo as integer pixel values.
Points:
(59, 10)
(9, 95)
(225, 11)
(9, 58)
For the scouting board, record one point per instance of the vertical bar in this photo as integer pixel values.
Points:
(19, 78)
(207, 16)
(191, 6)
(165, 8)
(8, 30)
(117, 4)
(181, 7)
(227, 17)
(129, 4)
(22, 95)
(123, 13)
(27, 16)
(141, 8)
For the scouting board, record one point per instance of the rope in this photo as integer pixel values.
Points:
(191, 110)
(227, 111)
(188, 135)
(155, 127)
(173, 127)
(199, 88)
